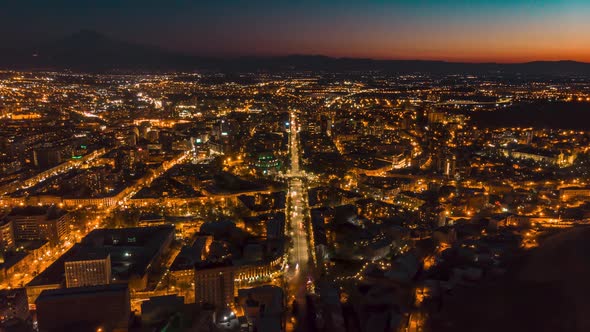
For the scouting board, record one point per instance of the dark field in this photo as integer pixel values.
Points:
(551, 115)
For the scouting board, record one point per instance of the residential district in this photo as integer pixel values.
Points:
(294, 202)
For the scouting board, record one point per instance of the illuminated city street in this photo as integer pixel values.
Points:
(299, 275)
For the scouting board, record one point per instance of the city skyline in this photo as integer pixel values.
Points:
(294, 166)
(462, 31)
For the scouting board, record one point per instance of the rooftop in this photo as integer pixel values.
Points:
(81, 291)
(131, 251)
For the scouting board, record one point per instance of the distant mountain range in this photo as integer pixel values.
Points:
(92, 51)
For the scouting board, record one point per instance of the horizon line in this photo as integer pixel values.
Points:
(236, 55)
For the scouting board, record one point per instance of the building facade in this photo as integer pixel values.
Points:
(215, 286)
(88, 272)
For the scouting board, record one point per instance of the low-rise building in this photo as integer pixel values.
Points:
(89, 269)
(40, 223)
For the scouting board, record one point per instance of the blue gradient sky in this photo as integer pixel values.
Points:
(503, 31)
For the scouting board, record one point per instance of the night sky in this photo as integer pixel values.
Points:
(458, 30)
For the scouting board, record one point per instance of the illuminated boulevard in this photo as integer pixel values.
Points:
(299, 277)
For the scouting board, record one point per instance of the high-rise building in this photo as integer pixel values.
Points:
(215, 285)
(92, 270)
(97, 308)
(450, 166)
(447, 165)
